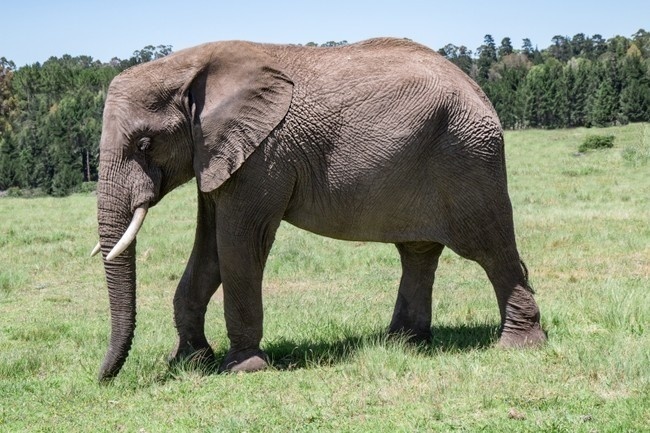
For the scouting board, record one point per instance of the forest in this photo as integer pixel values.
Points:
(50, 113)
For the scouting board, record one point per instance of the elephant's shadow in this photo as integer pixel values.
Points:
(286, 354)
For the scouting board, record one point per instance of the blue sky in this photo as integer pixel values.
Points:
(33, 30)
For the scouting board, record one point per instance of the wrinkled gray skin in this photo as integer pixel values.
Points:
(381, 141)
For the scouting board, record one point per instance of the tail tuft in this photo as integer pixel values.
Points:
(527, 284)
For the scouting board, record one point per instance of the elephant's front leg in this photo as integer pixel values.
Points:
(245, 240)
(199, 282)
(242, 267)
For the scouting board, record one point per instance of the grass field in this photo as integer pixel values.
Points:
(583, 226)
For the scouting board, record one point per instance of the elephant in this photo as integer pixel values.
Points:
(382, 140)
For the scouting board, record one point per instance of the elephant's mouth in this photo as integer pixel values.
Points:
(151, 203)
(129, 234)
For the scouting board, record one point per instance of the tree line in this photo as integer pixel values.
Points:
(578, 81)
(50, 113)
(50, 119)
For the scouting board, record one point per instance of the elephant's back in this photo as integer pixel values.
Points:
(379, 58)
(402, 73)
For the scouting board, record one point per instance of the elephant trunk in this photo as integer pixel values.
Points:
(120, 277)
(114, 215)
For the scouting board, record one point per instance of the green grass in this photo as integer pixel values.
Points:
(583, 229)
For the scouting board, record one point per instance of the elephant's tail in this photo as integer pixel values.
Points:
(527, 285)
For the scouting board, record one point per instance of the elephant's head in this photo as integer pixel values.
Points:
(199, 112)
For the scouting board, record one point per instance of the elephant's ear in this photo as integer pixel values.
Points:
(237, 101)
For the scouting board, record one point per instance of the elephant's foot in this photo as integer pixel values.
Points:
(244, 360)
(201, 356)
(532, 336)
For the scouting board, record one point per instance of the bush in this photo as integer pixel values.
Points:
(636, 154)
(593, 142)
(15, 192)
(87, 187)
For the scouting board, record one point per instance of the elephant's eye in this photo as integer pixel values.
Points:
(144, 143)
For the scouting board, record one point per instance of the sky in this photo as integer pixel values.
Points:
(33, 30)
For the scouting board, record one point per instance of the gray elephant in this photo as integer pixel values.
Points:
(383, 140)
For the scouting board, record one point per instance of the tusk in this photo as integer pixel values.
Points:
(130, 233)
(96, 249)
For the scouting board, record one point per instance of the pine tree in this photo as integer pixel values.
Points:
(635, 96)
(545, 96)
(599, 46)
(8, 158)
(504, 89)
(561, 48)
(579, 84)
(635, 102)
(581, 46)
(486, 58)
(8, 107)
(531, 53)
(460, 56)
(605, 104)
(505, 49)
(642, 41)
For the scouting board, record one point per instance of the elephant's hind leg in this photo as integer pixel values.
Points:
(492, 245)
(520, 316)
(197, 285)
(412, 314)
